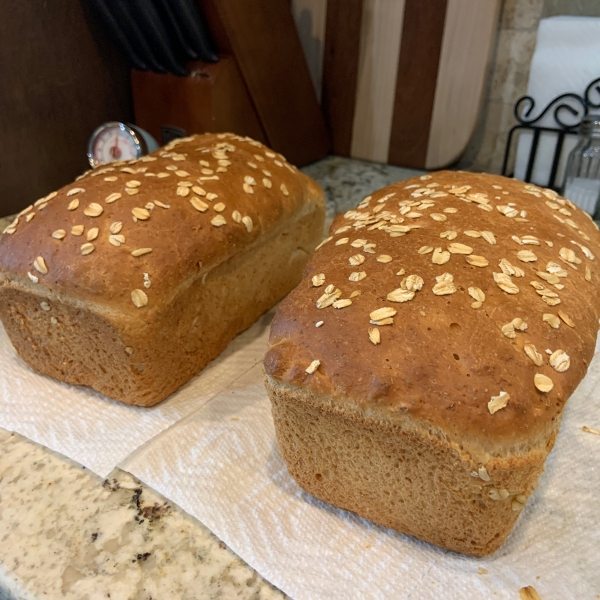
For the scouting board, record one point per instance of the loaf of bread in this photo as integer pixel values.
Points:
(419, 372)
(132, 279)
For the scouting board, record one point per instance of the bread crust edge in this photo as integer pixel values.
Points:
(403, 475)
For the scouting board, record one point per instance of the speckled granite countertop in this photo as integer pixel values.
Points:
(347, 181)
(65, 533)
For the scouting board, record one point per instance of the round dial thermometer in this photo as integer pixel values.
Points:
(118, 141)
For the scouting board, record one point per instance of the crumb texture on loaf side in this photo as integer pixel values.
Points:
(467, 302)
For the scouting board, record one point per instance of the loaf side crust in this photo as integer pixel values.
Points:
(402, 475)
(142, 363)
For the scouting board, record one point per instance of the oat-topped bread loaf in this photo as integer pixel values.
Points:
(133, 278)
(419, 372)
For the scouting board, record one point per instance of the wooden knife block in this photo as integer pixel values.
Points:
(261, 87)
(213, 98)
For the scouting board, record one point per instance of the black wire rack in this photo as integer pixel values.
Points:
(569, 111)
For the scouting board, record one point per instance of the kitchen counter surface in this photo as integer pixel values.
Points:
(65, 533)
(347, 181)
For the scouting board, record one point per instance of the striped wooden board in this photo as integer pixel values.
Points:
(401, 81)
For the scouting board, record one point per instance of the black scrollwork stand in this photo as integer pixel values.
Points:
(569, 110)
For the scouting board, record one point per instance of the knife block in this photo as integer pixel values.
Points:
(212, 98)
(261, 87)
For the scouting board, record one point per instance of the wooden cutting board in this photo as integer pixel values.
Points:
(401, 81)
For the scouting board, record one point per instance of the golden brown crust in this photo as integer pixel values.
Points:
(441, 361)
(203, 284)
(185, 243)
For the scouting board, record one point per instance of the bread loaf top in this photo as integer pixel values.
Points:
(126, 236)
(467, 302)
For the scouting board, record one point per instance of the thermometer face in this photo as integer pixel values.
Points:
(113, 141)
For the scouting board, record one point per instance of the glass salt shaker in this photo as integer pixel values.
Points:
(582, 176)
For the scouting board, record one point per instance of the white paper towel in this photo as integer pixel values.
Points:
(566, 59)
(223, 466)
(98, 432)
